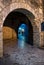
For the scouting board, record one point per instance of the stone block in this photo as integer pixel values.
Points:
(1, 48)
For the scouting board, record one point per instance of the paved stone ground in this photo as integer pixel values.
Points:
(15, 55)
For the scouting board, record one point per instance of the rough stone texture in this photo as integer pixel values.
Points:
(34, 6)
(1, 45)
(42, 39)
(27, 55)
(6, 2)
(1, 42)
(36, 39)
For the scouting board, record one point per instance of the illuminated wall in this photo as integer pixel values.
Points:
(9, 33)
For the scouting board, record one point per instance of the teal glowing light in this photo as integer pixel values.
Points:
(22, 35)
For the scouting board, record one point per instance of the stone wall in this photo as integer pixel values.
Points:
(35, 7)
(9, 33)
(1, 41)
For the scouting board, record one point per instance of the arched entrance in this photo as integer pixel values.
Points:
(13, 21)
(29, 12)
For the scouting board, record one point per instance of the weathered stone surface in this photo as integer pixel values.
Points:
(36, 7)
(23, 56)
(6, 2)
(1, 45)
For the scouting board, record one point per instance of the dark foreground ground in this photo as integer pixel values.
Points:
(15, 55)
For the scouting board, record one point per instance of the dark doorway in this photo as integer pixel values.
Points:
(42, 26)
(15, 19)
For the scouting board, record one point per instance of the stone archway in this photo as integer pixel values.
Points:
(16, 18)
(14, 6)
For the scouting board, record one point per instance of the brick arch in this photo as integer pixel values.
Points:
(13, 6)
(17, 6)
(20, 13)
(10, 8)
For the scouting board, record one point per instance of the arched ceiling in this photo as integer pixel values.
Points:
(35, 4)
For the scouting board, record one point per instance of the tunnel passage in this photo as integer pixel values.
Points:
(15, 19)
